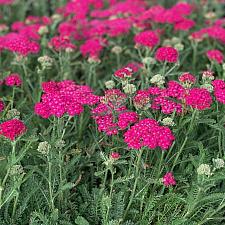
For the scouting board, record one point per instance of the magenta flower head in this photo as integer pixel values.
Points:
(13, 80)
(148, 133)
(147, 38)
(115, 155)
(219, 90)
(6, 2)
(64, 97)
(215, 55)
(166, 54)
(199, 98)
(168, 179)
(2, 106)
(11, 129)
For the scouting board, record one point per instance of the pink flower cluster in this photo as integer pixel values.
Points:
(166, 54)
(215, 55)
(64, 97)
(92, 48)
(111, 115)
(184, 25)
(11, 129)
(172, 98)
(168, 179)
(90, 21)
(219, 90)
(199, 98)
(148, 133)
(13, 80)
(18, 43)
(175, 15)
(147, 38)
(216, 32)
(166, 100)
(61, 43)
(6, 2)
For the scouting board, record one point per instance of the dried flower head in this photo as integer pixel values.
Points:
(13, 113)
(129, 89)
(117, 50)
(158, 80)
(148, 61)
(46, 62)
(60, 144)
(179, 47)
(204, 169)
(110, 84)
(218, 163)
(44, 147)
(168, 121)
(16, 170)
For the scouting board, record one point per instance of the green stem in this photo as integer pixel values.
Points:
(105, 178)
(27, 83)
(194, 46)
(179, 153)
(50, 185)
(137, 175)
(112, 182)
(14, 205)
(186, 137)
(13, 154)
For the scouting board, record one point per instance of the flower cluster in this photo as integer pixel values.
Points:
(61, 43)
(64, 97)
(199, 98)
(169, 180)
(216, 32)
(219, 90)
(19, 43)
(148, 133)
(166, 54)
(6, 2)
(173, 97)
(92, 48)
(13, 80)
(215, 55)
(11, 129)
(147, 38)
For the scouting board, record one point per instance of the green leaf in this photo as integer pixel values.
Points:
(81, 221)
